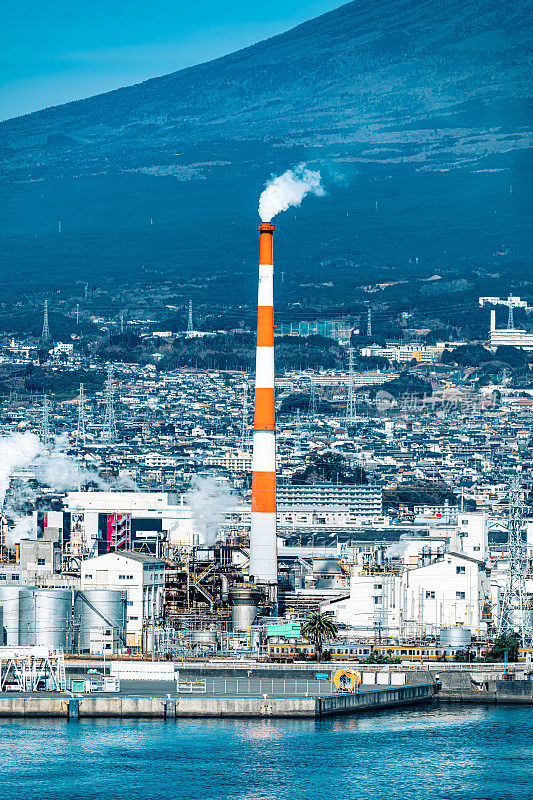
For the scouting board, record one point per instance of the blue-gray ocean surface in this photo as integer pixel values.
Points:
(455, 752)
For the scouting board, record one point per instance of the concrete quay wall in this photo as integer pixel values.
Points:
(373, 701)
(505, 692)
(174, 708)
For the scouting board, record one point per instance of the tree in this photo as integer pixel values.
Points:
(507, 641)
(330, 467)
(318, 629)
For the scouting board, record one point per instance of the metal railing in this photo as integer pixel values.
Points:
(191, 687)
(272, 687)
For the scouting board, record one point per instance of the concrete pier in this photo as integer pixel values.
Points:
(198, 706)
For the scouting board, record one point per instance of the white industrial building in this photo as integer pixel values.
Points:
(405, 352)
(516, 302)
(420, 585)
(96, 522)
(364, 502)
(142, 579)
(513, 337)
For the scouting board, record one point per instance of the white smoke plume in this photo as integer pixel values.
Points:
(51, 468)
(17, 451)
(61, 472)
(289, 189)
(22, 529)
(209, 502)
(397, 549)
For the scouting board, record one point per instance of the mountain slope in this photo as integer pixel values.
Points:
(420, 108)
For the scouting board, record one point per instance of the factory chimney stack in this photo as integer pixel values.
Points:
(263, 545)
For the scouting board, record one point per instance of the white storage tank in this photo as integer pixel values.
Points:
(244, 600)
(99, 608)
(10, 600)
(45, 618)
(456, 637)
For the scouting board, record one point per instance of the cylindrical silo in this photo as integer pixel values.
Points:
(10, 600)
(456, 637)
(244, 600)
(99, 608)
(45, 616)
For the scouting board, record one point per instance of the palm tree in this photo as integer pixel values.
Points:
(319, 629)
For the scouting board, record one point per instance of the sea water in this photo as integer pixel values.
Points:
(459, 752)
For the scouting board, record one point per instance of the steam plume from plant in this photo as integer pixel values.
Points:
(17, 451)
(289, 189)
(209, 502)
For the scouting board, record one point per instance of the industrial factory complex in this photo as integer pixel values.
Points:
(152, 520)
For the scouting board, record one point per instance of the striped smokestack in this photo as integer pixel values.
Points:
(263, 546)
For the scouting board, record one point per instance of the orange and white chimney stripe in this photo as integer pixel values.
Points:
(263, 545)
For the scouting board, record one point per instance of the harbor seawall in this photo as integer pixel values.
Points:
(174, 708)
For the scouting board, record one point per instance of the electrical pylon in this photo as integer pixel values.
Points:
(110, 424)
(80, 433)
(350, 399)
(369, 322)
(312, 399)
(45, 335)
(189, 323)
(45, 422)
(245, 433)
(515, 614)
(510, 318)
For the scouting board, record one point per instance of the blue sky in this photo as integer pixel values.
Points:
(53, 51)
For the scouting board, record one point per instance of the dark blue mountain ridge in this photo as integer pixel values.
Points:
(423, 108)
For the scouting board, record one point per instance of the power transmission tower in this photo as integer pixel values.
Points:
(369, 322)
(110, 424)
(510, 318)
(189, 324)
(122, 323)
(45, 422)
(146, 431)
(515, 616)
(312, 399)
(245, 434)
(80, 433)
(350, 399)
(45, 335)
(77, 313)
